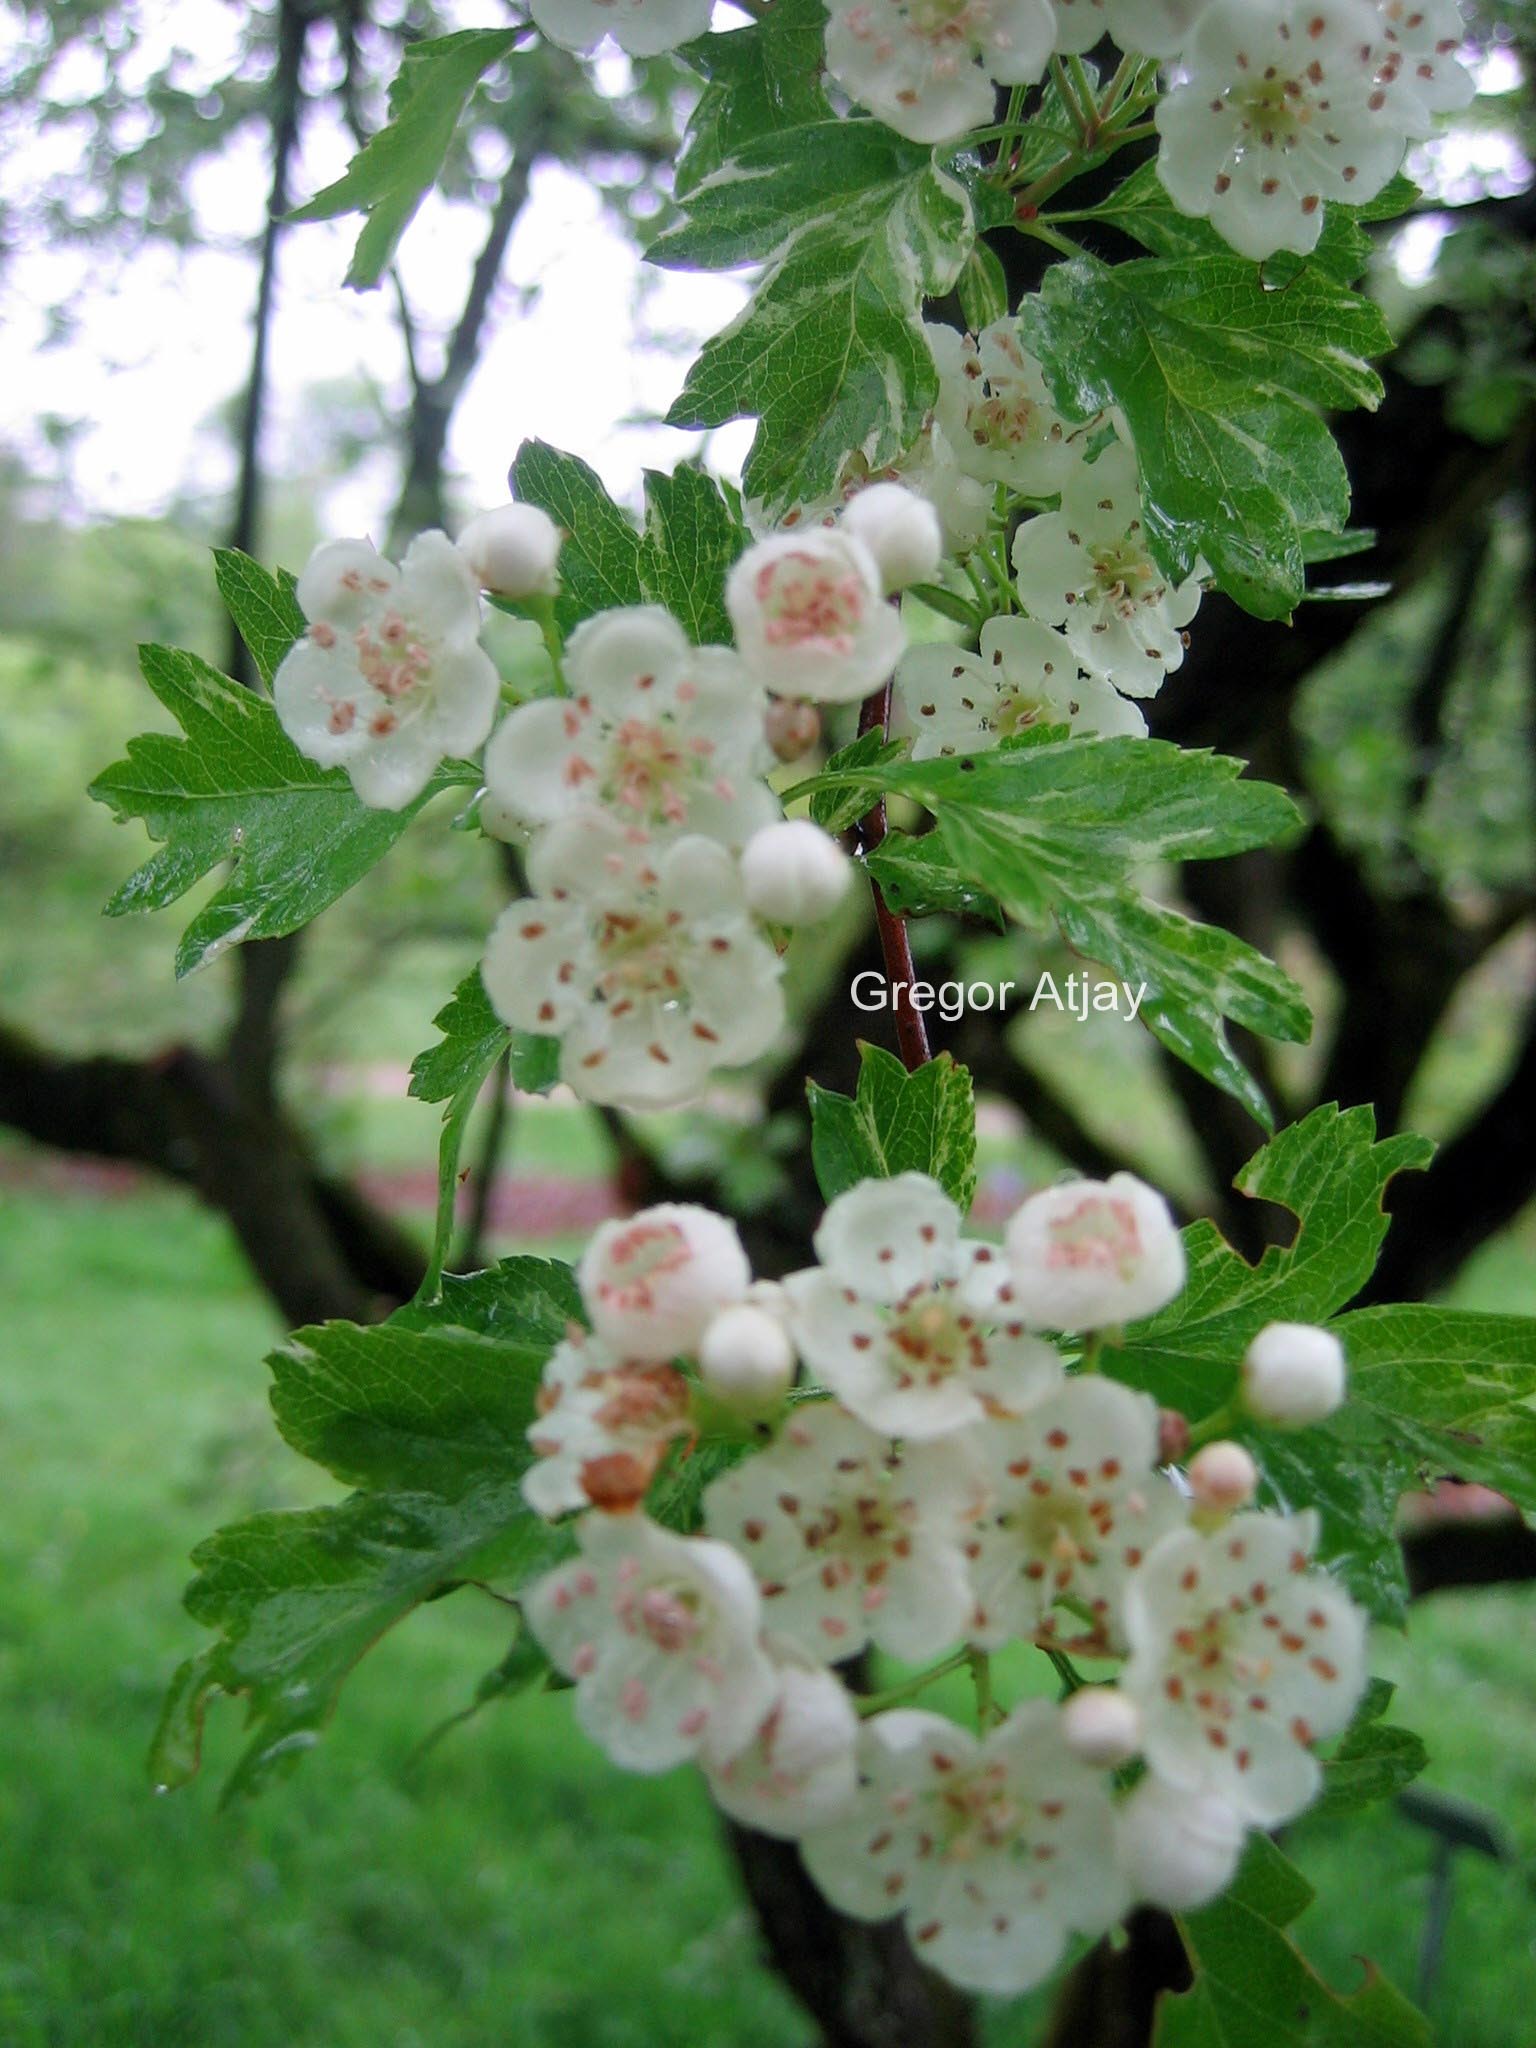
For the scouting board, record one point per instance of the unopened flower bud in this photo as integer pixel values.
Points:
(513, 551)
(1087, 1254)
(746, 1358)
(652, 1284)
(900, 529)
(1222, 1478)
(792, 726)
(1178, 1848)
(1172, 1436)
(794, 873)
(1293, 1374)
(1102, 1726)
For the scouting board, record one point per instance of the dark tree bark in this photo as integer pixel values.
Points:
(861, 1984)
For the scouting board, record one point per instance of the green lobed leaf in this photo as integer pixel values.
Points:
(262, 605)
(835, 805)
(236, 789)
(428, 1412)
(1056, 828)
(857, 227)
(600, 559)
(1222, 382)
(924, 1122)
(1252, 1986)
(918, 879)
(474, 1038)
(759, 80)
(394, 171)
(1372, 1760)
(1331, 1174)
(1446, 1392)
(692, 537)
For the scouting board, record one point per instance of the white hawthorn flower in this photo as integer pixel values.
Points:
(603, 1424)
(1088, 568)
(811, 618)
(893, 1323)
(391, 676)
(927, 67)
(1087, 1254)
(995, 413)
(1293, 1374)
(653, 1282)
(852, 1540)
(1178, 1849)
(1153, 28)
(901, 530)
(994, 1848)
(1242, 1658)
(798, 1771)
(643, 960)
(793, 873)
(1025, 675)
(1419, 60)
(1277, 109)
(660, 1634)
(513, 550)
(666, 736)
(641, 28)
(1073, 1507)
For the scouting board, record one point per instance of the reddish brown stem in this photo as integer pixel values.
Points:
(895, 945)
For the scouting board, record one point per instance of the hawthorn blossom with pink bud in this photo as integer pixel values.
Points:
(852, 1540)
(890, 1319)
(1088, 1254)
(663, 735)
(654, 1282)
(1073, 1507)
(1242, 1657)
(811, 617)
(642, 959)
(927, 67)
(994, 1848)
(390, 678)
(660, 1633)
(603, 1425)
(799, 1770)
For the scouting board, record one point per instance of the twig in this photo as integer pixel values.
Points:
(895, 945)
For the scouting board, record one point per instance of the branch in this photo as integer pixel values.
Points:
(895, 942)
(182, 1116)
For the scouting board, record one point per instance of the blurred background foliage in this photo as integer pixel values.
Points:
(393, 1895)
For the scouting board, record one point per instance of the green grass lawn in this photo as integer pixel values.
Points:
(512, 1887)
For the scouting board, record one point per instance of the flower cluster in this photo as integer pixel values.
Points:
(952, 1475)
(1276, 105)
(661, 871)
